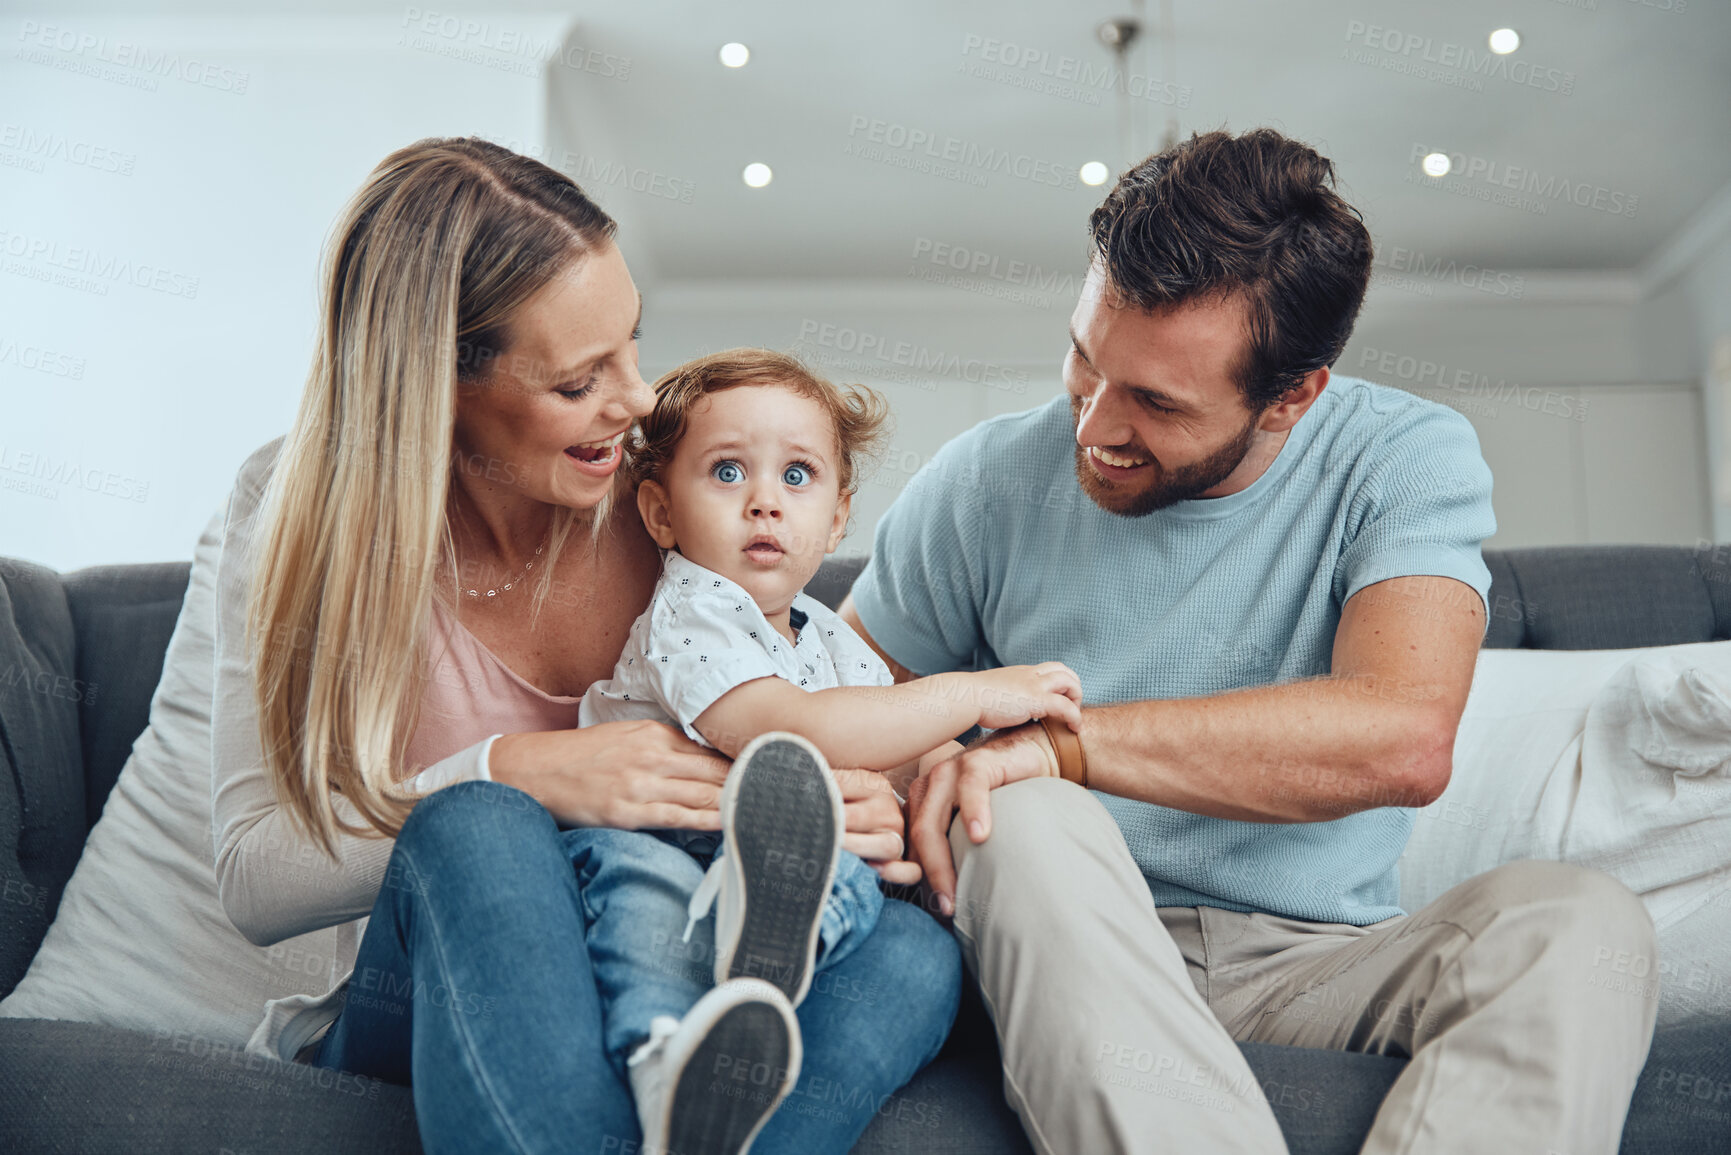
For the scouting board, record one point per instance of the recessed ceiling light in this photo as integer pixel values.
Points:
(1094, 173)
(1505, 41)
(1436, 164)
(757, 175)
(735, 55)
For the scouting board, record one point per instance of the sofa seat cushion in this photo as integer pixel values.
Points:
(102, 1091)
(93, 1089)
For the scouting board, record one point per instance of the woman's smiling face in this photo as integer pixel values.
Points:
(753, 491)
(548, 417)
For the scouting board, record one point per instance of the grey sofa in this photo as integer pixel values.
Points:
(86, 1088)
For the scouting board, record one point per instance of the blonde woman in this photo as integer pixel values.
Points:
(417, 585)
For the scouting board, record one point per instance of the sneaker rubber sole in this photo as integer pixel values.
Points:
(732, 1083)
(786, 824)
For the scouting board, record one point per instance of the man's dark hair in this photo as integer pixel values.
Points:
(1252, 216)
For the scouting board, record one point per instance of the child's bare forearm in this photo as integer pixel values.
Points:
(882, 727)
(869, 727)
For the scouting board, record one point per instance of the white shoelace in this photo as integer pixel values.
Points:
(661, 1028)
(703, 898)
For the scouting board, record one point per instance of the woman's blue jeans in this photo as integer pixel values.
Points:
(473, 983)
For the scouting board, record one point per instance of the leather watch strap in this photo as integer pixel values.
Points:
(1067, 745)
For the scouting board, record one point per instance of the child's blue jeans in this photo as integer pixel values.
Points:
(635, 887)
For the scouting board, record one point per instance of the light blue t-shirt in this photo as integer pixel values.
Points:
(994, 556)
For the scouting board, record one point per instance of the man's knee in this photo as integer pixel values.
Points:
(1047, 838)
(1025, 816)
(1581, 907)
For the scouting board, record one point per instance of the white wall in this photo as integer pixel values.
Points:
(1583, 394)
(1705, 291)
(120, 443)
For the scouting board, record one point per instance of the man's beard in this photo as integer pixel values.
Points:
(1165, 488)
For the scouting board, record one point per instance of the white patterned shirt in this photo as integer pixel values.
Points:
(702, 635)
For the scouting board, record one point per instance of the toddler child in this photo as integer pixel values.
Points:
(746, 471)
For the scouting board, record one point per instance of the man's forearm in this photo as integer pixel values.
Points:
(1297, 752)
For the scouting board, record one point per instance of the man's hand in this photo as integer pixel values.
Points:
(966, 782)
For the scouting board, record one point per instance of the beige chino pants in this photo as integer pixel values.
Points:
(1518, 995)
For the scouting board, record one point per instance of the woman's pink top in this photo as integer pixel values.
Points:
(474, 694)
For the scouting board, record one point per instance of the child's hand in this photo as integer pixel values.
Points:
(1017, 694)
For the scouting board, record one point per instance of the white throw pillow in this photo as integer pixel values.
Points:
(140, 940)
(1615, 759)
(1654, 807)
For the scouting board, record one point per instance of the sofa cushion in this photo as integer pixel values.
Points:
(833, 580)
(141, 940)
(101, 1091)
(1682, 1101)
(41, 776)
(1606, 597)
(92, 1089)
(124, 616)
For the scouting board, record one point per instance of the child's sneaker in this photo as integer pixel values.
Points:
(782, 821)
(706, 1084)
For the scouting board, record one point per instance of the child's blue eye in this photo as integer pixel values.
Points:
(727, 472)
(796, 475)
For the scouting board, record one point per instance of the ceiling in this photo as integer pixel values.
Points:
(1644, 129)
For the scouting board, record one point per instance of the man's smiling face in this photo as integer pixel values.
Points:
(1159, 418)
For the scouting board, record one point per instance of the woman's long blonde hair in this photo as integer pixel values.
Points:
(428, 264)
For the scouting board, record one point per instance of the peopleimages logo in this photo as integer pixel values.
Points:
(1448, 62)
(152, 63)
(494, 45)
(1038, 70)
(869, 137)
(71, 150)
(1467, 383)
(1468, 276)
(43, 467)
(40, 359)
(883, 356)
(977, 262)
(1528, 188)
(93, 269)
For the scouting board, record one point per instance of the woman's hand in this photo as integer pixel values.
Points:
(627, 775)
(874, 825)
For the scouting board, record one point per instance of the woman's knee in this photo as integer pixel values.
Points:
(474, 818)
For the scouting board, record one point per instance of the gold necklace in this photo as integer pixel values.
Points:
(497, 590)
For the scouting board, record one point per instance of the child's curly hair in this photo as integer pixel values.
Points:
(860, 415)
